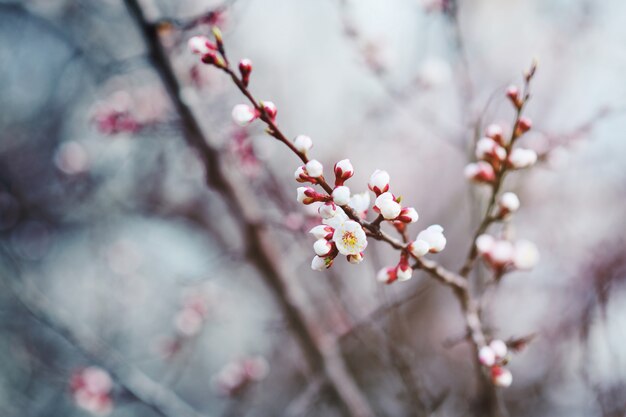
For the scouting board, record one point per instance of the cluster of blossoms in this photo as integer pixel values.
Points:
(494, 357)
(236, 376)
(344, 228)
(502, 254)
(496, 154)
(91, 389)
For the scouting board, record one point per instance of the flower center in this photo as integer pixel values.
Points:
(349, 239)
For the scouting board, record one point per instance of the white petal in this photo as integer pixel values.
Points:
(314, 168)
(303, 143)
(341, 195)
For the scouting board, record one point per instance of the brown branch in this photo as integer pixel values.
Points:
(260, 249)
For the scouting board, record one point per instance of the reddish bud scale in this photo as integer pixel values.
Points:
(400, 225)
(378, 191)
(392, 275)
(341, 176)
(311, 196)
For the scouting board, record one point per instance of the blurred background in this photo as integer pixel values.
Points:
(129, 268)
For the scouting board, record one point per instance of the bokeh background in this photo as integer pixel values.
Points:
(116, 253)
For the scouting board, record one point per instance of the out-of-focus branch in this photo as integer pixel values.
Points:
(135, 382)
(260, 249)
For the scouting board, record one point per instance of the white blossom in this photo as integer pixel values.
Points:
(419, 248)
(479, 171)
(379, 181)
(244, 114)
(303, 143)
(502, 252)
(526, 254)
(328, 210)
(522, 158)
(337, 220)
(499, 348)
(487, 356)
(350, 238)
(314, 168)
(433, 235)
(341, 195)
(360, 202)
(404, 273)
(509, 202)
(484, 243)
(387, 206)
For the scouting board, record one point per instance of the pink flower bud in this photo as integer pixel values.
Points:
(522, 158)
(319, 264)
(408, 215)
(480, 171)
(302, 143)
(301, 175)
(379, 182)
(387, 275)
(387, 206)
(307, 195)
(501, 376)
(512, 92)
(508, 203)
(343, 171)
(524, 124)
(244, 114)
(314, 168)
(341, 195)
(526, 255)
(245, 68)
(495, 132)
(201, 45)
(487, 356)
(270, 109)
(487, 148)
(322, 247)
